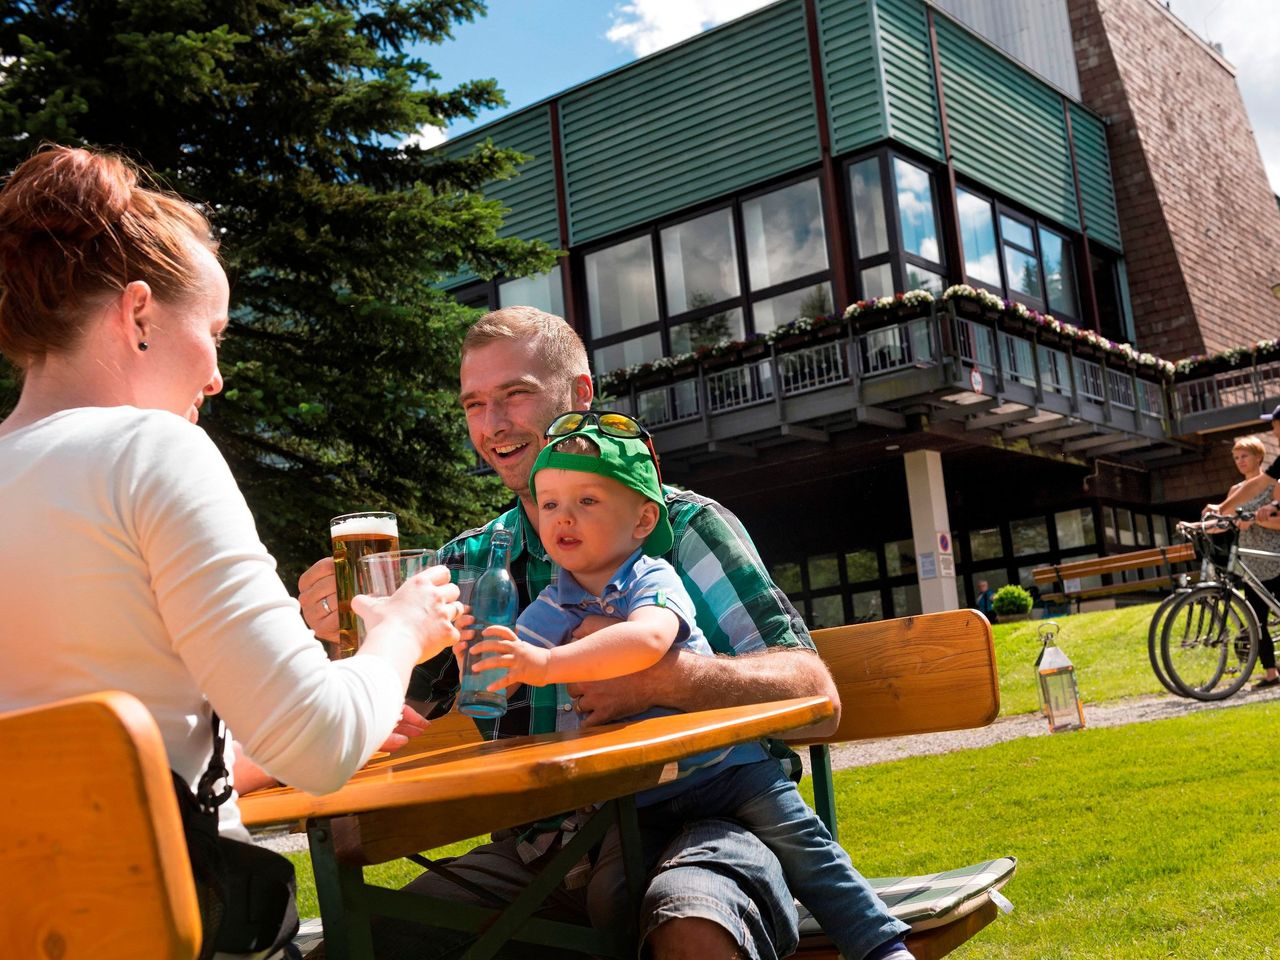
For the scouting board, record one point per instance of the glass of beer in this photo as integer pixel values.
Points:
(381, 574)
(356, 535)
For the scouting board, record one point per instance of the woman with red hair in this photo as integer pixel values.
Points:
(130, 560)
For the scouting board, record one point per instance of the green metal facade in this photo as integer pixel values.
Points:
(857, 111)
(908, 75)
(1097, 193)
(531, 194)
(1008, 130)
(695, 122)
(735, 107)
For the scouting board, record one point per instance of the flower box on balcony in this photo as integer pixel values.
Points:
(720, 361)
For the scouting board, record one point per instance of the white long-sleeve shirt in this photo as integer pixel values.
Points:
(129, 561)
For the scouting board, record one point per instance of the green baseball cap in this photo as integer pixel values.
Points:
(626, 460)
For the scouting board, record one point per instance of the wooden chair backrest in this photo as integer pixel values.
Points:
(921, 674)
(93, 862)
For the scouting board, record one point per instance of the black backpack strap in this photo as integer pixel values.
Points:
(206, 797)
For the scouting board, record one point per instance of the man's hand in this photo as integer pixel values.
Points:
(318, 596)
(411, 724)
(607, 701)
(688, 681)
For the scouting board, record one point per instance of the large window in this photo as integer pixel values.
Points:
(698, 262)
(896, 228)
(621, 293)
(1016, 256)
(750, 266)
(543, 291)
(978, 238)
(1059, 273)
(1021, 266)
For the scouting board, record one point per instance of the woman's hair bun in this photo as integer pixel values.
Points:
(76, 224)
(71, 195)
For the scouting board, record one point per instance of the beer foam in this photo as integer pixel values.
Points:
(364, 526)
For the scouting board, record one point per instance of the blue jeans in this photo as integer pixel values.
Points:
(760, 798)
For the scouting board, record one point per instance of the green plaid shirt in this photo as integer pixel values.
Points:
(736, 604)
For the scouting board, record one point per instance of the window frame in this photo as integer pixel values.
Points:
(897, 256)
(746, 298)
(1071, 244)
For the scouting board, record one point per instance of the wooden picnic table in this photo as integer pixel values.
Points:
(426, 795)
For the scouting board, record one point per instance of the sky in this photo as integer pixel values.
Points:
(537, 48)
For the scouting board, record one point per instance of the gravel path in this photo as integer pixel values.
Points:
(1113, 713)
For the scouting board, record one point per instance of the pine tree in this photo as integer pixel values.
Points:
(286, 120)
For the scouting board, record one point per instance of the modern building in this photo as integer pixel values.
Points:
(1088, 160)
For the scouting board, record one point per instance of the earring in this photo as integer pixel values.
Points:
(143, 345)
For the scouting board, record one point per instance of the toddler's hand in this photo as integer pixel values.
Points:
(524, 662)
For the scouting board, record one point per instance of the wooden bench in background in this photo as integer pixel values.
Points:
(1059, 582)
(93, 862)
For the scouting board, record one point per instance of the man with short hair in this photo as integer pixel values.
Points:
(718, 892)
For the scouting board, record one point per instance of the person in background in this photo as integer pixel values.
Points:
(984, 602)
(1248, 454)
(1251, 487)
(131, 561)
(718, 891)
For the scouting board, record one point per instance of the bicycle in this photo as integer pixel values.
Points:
(1209, 637)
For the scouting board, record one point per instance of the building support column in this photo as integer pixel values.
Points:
(931, 531)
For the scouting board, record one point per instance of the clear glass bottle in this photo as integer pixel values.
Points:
(494, 602)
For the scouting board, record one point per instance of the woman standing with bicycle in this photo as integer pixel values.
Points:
(1248, 453)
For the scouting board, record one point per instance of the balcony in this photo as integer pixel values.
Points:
(977, 379)
(1231, 399)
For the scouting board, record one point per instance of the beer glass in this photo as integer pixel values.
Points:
(356, 535)
(381, 574)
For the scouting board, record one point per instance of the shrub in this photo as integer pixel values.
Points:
(1011, 600)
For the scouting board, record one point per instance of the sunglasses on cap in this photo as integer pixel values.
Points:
(608, 422)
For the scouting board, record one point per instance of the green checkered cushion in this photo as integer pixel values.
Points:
(935, 899)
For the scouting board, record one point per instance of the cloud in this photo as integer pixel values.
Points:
(648, 25)
(428, 136)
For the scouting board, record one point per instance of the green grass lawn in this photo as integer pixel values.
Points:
(1150, 840)
(1146, 841)
(1108, 649)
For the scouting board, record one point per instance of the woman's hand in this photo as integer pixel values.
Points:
(318, 597)
(524, 662)
(426, 604)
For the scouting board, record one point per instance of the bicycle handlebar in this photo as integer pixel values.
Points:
(1216, 520)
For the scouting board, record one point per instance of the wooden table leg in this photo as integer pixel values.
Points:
(339, 892)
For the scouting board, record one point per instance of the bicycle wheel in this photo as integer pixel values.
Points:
(1209, 643)
(1154, 633)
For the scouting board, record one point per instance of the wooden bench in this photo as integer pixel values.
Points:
(923, 674)
(93, 862)
(1060, 575)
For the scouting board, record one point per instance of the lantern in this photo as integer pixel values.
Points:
(1059, 698)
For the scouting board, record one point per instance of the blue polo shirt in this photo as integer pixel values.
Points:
(640, 581)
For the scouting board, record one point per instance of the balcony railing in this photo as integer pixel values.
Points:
(1007, 356)
(1247, 386)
